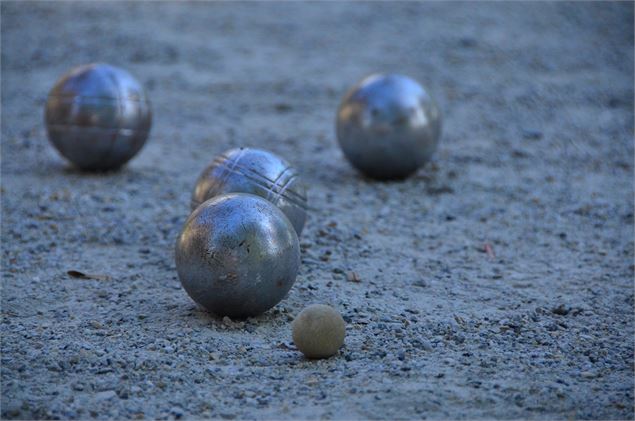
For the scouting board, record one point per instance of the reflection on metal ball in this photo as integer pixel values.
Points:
(98, 116)
(249, 170)
(238, 255)
(388, 126)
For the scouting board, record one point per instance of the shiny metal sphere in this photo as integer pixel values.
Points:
(388, 126)
(98, 116)
(238, 255)
(249, 170)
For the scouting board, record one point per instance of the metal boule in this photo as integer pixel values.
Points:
(237, 255)
(388, 126)
(97, 116)
(259, 172)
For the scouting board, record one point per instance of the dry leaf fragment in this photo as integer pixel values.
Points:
(80, 275)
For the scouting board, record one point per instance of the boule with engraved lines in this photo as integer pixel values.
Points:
(259, 172)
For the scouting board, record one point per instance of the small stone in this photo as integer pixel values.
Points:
(95, 324)
(177, 412)
(105, 395)
(318, 331)
(281, 107)
(561, 310)
(614, 102)
(532, 134)
(11, 410)
(468, 42)
(352, 277)
(424, 344)
(420, 283)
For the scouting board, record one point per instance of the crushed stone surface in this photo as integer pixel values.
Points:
(495, 283)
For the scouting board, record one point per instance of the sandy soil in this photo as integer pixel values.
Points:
(536, 161)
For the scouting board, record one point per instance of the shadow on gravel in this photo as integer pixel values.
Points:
(270, 317)
(57, 169)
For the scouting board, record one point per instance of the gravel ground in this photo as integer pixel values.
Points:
(495, 283)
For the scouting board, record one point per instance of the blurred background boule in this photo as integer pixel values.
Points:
(388, 126)
(98, 116)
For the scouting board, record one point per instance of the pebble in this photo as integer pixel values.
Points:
(531, 134)
(420, 283)
(353, 277)
(422, 344)
(176, 411)
(105, 395)
(95, 324)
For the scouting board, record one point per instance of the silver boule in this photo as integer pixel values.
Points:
(238, 255)
(388, 126)
(98, 116)
(259, 172)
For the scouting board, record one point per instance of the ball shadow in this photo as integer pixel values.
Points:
(65, 169)
(205, 318)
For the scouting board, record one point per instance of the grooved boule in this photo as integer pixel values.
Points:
(259, 172)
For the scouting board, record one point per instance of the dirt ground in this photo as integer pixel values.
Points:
(535, 166)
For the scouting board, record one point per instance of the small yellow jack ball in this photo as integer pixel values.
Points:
(318, 331)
